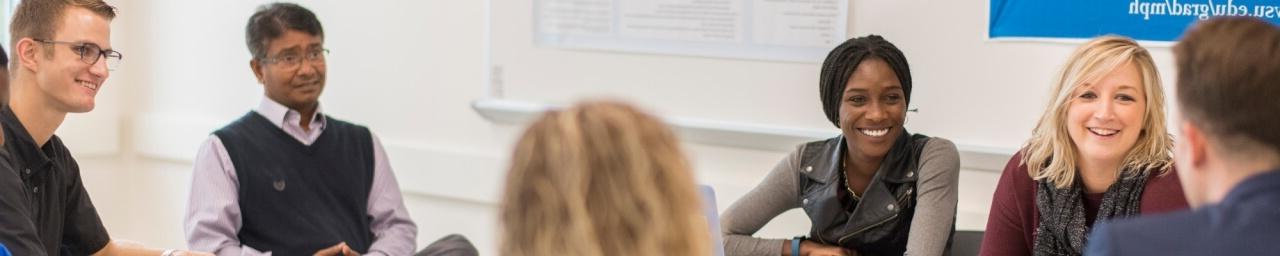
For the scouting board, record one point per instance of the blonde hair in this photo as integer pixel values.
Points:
(1051, 155)
(600, 178)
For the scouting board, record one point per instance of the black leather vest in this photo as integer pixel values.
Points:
(880, 222)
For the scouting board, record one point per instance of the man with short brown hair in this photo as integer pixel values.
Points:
(1229, 153)
(61, 57)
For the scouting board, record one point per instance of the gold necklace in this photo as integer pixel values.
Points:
(845, 176)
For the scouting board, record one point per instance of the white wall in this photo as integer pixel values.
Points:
(978, 93)
(405, 68)
(409, 70)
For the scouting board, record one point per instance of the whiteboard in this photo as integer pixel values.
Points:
(776, 30)
(976, 92)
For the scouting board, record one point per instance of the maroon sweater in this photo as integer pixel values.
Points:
(1013, 219)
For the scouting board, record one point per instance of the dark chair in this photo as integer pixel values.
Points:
(966, 242)
(451, 245)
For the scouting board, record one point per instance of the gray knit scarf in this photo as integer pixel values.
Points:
(1062, 219)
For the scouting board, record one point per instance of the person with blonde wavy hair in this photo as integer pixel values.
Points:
(1228, 150)
(600, 178)
(1101, 150)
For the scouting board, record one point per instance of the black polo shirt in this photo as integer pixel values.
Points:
(44, 209)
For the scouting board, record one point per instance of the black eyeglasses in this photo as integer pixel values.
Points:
(91, 53)
(291, 61)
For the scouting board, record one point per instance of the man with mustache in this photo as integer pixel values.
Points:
(286, 179)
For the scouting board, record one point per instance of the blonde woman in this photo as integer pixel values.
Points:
(1101, 150)
(600, 178)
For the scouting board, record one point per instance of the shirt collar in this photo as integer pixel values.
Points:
(19, 142)
(1264, 184)
(279, 114)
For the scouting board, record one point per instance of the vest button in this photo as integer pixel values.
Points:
(806, 169)
(35, 190)
(909, 174)
(890, 207)
(28, 170)
(805, 201)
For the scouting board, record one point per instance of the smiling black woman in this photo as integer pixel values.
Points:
(875, 188)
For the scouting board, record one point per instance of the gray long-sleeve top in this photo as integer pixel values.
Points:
(930, 227)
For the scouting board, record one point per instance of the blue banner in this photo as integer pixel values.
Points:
(1152, 20)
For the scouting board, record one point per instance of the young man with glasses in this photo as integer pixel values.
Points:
(285, 179)
(61, 57)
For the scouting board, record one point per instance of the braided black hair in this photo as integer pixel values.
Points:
(844, 59)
